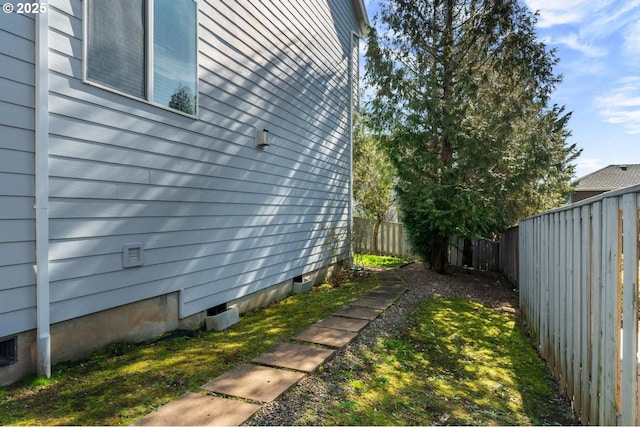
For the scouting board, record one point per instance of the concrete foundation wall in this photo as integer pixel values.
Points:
(27, 359)
(78, 338)
(263, 298)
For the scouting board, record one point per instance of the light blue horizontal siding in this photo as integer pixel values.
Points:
(18, 139)
(17, 183)
(12, 322)
(261, 192)
(15, 115)
(17, 276)
(17, 230)
(218, 218)
(17, 299)
(14, 184)
(14, 253)
(172, 262)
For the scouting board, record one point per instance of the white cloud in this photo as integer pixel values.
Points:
(554, 12)
(610, 17)
(572, 41)
(632, 40)
(622, 105)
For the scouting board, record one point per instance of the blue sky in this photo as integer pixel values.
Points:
(598, 43)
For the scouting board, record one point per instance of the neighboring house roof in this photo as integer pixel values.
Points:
(610, 178)
(361, 14)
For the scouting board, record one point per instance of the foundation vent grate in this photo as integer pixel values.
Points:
(217, 309)
(8, 351)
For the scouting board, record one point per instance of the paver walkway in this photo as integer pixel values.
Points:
(240, 393)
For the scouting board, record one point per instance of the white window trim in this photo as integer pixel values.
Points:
(149, 60)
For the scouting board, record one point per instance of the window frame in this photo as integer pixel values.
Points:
(148, 60)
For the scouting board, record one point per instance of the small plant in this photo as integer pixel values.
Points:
(338, 274)
(338, 247)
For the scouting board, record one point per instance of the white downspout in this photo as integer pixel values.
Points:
(42, 194)
(351, 123)
(354, 88)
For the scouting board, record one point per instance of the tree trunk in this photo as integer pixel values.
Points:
(439, 258)
(467, 253)
(376, 230)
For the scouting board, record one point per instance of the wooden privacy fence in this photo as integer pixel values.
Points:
(579, 295)
(499, 256)
(509, 254)
(485, 254)
(392, 239)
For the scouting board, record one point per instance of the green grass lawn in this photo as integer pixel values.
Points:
(125, 382)
(368, 260)
(458, 363)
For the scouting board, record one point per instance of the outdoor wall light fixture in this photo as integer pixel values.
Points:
(262, 138)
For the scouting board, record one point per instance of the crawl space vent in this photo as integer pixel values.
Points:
(218, 309)
(132, 256)
(8, 351)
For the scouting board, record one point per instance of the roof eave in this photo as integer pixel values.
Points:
(363, 18)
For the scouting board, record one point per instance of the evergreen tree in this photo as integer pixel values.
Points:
(462, 103)
(373, 176)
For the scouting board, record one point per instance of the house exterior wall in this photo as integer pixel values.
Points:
(217, 218)
(582, 195)
(17, 183)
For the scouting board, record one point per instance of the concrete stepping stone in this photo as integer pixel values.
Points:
(386, 279)
(383, 294)
(343, 323)
(389, 281)
(253, 382)
(329, 337)
(193, 409)
(299, 357)
(358, 312)
(378, 303)
(399, 288)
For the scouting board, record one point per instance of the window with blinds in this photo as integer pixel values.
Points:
(146, 49)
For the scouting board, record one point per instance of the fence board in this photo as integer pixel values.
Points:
(545, 279)
(576, 299)
(611, 330)
(555, 288)
(596, 356)
(585, 314)
(629, 378)
(562, 306)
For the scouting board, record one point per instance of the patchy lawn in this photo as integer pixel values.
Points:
(457, 363)
(451, 351)
(127, 381)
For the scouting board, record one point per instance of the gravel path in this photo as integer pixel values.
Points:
(310, 396)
